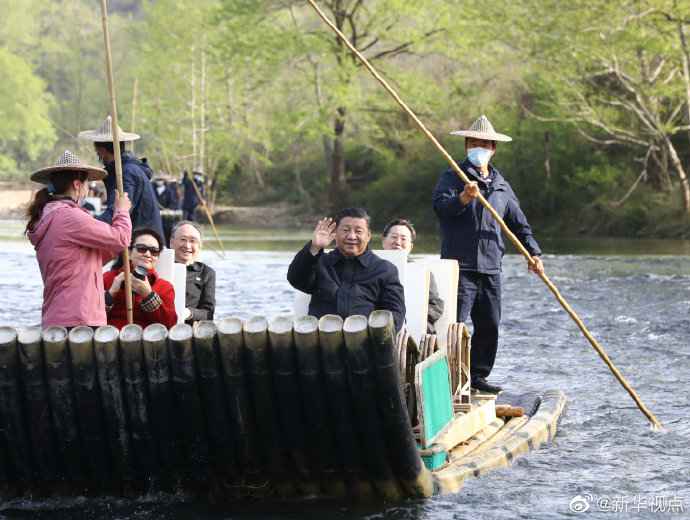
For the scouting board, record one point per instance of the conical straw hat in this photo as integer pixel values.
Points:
(68, 162)
(483, 129)
(105, 134)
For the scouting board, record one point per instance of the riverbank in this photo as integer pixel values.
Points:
(14, 198)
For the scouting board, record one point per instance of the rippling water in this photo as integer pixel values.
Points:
(636, 306)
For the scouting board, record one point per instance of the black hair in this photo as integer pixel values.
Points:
(136, 234)
(353, 213)
(110, 146)
(181, 223)
(400, 222)
(146, 231)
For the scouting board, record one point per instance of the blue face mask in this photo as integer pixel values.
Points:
(479, 156)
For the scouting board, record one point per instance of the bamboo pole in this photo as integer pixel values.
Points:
(135, 92)
(208, 214)
(508, 233)
(116, 148)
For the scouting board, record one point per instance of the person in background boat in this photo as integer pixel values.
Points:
(191, 199)
(200, 299)
(71, 246)
(351, 279)
(400, 234)
(153, 298)
(165, 188)
(136, 176)
(470, 235)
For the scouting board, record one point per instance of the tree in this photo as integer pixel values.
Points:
(616, 75)
(25, 130)
(386, 31)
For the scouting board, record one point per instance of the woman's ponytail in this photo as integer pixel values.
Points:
(33, 212)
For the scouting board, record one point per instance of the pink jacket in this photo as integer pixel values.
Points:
(71, 247)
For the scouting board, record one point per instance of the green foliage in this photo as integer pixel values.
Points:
(588, 89)
(25, 130)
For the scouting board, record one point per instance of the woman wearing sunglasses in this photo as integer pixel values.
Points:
(153, 298)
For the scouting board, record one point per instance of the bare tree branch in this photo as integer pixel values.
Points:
(642, 176)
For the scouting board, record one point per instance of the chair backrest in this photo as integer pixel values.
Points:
(416, 287)
(300, 305)
(446, 273)
(176, 274)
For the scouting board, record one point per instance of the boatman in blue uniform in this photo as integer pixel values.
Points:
(470, 235)
(351, 279)
(136, 178)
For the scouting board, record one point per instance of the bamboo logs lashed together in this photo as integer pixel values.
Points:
(64, 413)
(136, 396)
(191, 438)
(320, 435)
(233, 408)
(161, 400)
(289, 398)
(363, 388)
(106, 347)
(220, 438)
(11, 408)
(88, 404)
(407, 465)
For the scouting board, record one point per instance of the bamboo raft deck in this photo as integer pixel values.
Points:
(238, 410)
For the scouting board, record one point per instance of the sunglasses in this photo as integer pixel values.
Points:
(141, 249)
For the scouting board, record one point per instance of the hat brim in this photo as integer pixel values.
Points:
(42, 176)
(483, 135)
(97, 137)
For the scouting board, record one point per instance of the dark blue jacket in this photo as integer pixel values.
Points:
(168, 198)
(469, 233)
(347, 286)
(137, 184)
(190, 199)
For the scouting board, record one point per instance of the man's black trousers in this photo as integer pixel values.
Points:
(479, 297)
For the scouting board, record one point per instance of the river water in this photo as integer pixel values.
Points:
(605, 458)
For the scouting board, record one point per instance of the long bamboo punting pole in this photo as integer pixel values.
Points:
(135, 93)
(598, 348)
(116, 149)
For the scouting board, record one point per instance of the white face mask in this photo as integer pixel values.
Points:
(479, 156)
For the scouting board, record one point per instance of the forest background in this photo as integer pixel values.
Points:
(263, 98)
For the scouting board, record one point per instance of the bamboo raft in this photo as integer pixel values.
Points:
(241, 410)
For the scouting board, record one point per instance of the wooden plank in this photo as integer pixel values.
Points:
(505, 410)
(470, 445)
(466, 425)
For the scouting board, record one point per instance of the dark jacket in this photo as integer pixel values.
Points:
(347, 286)
(136, 182)
(201, 292)
(190, 199)
(436, 306)
(469, 233)
(168, 198)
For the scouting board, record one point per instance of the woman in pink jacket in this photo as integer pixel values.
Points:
(71, 245)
